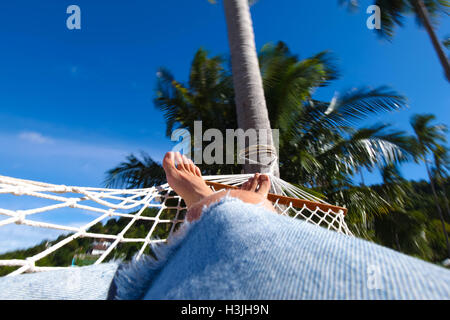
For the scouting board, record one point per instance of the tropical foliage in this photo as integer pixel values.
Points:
(412, 227)
(426, 12)
(393, 13)
(77, 251)
(428, 140)
(322, 144)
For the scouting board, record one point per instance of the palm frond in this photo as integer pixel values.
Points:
(358, 104)
(135, 173)
(429, 136)
(375, 145)
(288, 81)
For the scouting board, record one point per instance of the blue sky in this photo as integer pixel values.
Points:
(74, 103)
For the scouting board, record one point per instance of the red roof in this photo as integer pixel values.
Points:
(99, 247)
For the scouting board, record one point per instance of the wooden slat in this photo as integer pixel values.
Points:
(298, 203)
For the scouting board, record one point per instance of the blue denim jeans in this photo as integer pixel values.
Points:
(242, 251)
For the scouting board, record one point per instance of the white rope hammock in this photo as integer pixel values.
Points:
(132, 203)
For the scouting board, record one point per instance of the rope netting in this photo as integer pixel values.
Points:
(158, 210)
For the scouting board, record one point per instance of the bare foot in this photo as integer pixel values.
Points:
(254, 191)
(185, 178)
(259, 183)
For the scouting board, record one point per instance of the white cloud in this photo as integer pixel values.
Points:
(30, 154)
(34, 137)
(45, 157)
(14, 237)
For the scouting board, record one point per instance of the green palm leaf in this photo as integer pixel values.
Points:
(136, 173)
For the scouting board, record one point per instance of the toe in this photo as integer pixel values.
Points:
(194, 169)
(191, 168)
(169, 161)
(254, 183)
(179, 161)
(264, 185)
(188, 164)
(197, 171)
(244, 186)
(186, 160)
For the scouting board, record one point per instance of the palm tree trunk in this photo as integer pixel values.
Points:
(397, 242)
(424, 16)
(438, 207)
(249, 94)
(446, 202)
(444, 196)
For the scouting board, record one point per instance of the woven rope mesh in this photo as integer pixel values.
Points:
(152, 214)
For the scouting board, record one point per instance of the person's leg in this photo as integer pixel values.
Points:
(234, 249)
(237, 250)
(254, 191)
(185, 178)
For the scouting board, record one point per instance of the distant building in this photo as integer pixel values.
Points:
(99, 247)
(446, 263)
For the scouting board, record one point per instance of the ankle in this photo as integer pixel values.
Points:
(195, 211)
